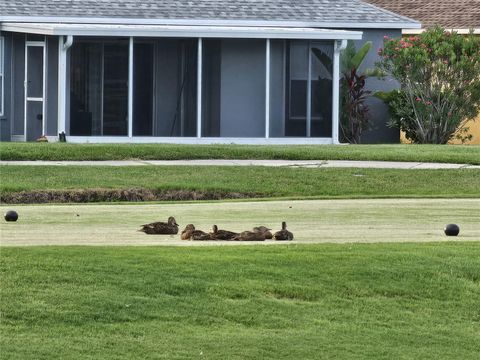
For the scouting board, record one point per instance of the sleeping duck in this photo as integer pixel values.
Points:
(250, 236)
(222, 234)
(283, 234)
(161, 228)
(186, 234)
(191, 234)
(265, 230)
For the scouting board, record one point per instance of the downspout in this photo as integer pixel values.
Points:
(339, 46)
(68, 43)
(63, 46)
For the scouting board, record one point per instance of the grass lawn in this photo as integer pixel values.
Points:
(311, 221)
(352, 301)
(257, 181)
(55, 151)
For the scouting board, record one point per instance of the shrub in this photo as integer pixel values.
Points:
(439, 74)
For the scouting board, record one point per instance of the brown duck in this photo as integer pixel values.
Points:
(222, 234)
(191, 234)
(283, 234)
(250, 236)
(161, 228)
(265, 230)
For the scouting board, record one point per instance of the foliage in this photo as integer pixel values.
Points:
(354, 111)
(439, 73)
(354, 118)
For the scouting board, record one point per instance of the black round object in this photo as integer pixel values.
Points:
(452, 230)
(11, 215)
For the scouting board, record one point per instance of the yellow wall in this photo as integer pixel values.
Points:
(474, 129)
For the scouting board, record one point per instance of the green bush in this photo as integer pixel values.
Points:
(439, 74)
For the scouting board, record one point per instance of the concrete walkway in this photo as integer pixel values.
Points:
(272, 163)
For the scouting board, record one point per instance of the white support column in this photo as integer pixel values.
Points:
(130, 87)
(63, 47)
(337, 48)
(267, 89)
(309, 91)
(199, 87)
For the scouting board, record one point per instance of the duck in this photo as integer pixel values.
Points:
(265, 230)
(186, 234)
(190, 233)
(222, 234)
(250, 236)
(283, 234)
(161, 228)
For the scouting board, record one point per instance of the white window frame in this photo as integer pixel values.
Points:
(2, 74)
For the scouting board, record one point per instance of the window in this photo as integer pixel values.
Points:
(1, 74)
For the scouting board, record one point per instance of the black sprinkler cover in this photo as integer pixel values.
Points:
(452, 230)
(11, 215)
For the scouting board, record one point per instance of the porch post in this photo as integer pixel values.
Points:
(267, 89)
(199, 87)
(130, 87)
(63, 47)
(337, 48)
(309, 92)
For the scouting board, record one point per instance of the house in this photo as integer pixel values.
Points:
(183, 71)
(460, 16)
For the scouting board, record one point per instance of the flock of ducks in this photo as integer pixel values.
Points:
(259, 233)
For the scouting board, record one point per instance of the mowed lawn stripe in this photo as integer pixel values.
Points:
(462, 154)
(350, 301)
(261, 181)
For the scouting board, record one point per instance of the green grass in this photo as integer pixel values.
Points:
(263, 181)
(56, 151)
(376, 301)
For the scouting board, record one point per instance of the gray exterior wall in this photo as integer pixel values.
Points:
(6, 118)
(51, 107)
(380, 132)
(242, 98)
(277, 88)
(17, 87)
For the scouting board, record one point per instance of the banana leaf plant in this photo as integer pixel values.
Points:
(354, 113)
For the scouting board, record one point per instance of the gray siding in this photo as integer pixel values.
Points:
(277, 88)
(6, 119)
(51, 107)
(380, 132)
(18, 78)
(242, 107)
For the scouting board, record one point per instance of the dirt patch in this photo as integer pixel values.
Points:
(109, 195)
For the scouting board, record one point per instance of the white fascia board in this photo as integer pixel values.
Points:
(181, 31)
(403, 24)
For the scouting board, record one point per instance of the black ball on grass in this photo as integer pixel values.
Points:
(452, 230)
(11, 215)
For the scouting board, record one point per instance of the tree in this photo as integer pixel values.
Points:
(439, 74)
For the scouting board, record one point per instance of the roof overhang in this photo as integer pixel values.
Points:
(194, 31)
(405, 23)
